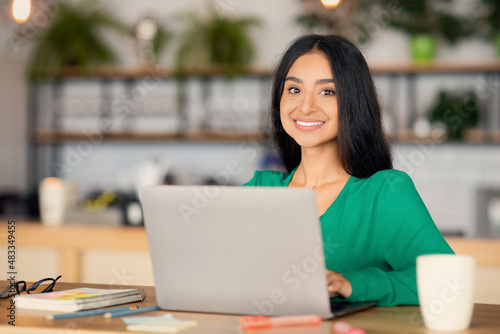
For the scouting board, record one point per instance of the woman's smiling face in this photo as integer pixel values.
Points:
(308, 106)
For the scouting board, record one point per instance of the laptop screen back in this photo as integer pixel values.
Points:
(236, 250)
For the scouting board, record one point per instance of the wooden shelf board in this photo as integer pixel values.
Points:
(436, 66)
(143, 136)
(47, 136)
(223, 135)
(139, 72)
(473, 136)
(408, 67)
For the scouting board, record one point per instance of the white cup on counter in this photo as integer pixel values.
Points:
(446, 290)
(56, 197)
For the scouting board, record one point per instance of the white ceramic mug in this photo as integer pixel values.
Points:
(56, 197)
(446, 290)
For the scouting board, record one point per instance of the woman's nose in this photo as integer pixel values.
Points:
(308, 103)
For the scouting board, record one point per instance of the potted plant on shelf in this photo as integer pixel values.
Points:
(348, 18)
(215, 43)
(457, 111)
(72, 39)
(425, 21)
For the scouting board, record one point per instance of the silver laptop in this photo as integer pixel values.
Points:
(237, 250)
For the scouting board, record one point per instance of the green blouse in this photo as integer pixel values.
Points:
(372, 234)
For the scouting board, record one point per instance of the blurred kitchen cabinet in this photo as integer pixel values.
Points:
(117, 267)
(95, 266)
(80, 253)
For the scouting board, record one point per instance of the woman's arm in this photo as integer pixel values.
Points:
(403, 230)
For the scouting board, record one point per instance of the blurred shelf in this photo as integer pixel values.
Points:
(124, 73)
(48, 136)
(225, 136)
(52, 99)
(436, 66)
(470, 137)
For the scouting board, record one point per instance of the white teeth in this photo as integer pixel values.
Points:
(309, 123)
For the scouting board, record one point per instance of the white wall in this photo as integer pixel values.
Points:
(448, 178)
(13, 125)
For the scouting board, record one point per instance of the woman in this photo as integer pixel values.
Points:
(327, 126)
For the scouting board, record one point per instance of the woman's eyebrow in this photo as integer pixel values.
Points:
(318, 82)
(324, 81)
(294, 79)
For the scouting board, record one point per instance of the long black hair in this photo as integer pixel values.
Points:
(363, 145)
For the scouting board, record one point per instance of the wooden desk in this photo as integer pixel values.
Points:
(379, 320)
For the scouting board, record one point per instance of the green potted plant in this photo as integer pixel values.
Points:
(215, 43)
(425, 21)
(457, 111)
(72, 39)
(348, 18)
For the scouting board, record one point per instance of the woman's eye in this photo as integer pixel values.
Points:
(328, 92)
(293, 90)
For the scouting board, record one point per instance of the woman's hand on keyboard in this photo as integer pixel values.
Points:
(338, 285)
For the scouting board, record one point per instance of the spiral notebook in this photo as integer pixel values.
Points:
(79, 299)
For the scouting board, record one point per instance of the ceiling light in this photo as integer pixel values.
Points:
(21, 10)
(330, 3)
